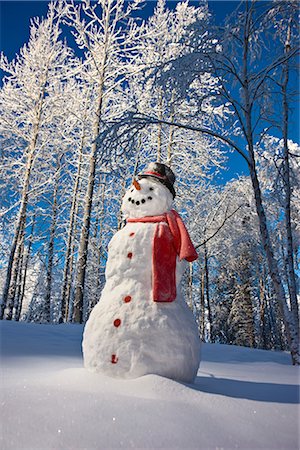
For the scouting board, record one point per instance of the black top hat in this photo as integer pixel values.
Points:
(161, 173)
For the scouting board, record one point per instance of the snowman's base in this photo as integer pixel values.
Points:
(170, 374)
(140, 337)
(169, 351)
(126, 376)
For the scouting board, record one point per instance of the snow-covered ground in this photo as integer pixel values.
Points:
(242, 398)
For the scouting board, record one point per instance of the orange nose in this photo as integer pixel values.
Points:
(137, 185)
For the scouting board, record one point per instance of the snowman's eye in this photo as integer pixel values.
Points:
(151, 189)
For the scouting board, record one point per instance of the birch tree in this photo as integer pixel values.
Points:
(107, 34)
(191, 155)
(53, 227)
(23, 274)
(243, 64)
(246, 69)
(166, 38)
(287, 27)
(79, 111)
(26, 99)
(271, 161)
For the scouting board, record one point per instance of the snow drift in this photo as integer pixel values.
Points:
(242, 398)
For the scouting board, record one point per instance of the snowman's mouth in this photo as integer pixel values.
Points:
(139, 202)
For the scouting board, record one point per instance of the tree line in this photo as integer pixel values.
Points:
(78, 123)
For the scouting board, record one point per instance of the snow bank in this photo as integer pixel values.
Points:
(242, 398)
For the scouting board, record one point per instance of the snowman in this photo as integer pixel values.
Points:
(142, 325)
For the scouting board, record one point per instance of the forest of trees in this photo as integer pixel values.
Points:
(98, 92)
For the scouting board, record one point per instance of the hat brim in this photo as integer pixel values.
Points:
(165, 182)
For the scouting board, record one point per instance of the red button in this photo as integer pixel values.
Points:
(117, 322)
(127, 299)
(132, 234)
(129, 255)
(114, 359)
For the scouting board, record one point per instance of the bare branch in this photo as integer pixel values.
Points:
(220, 227)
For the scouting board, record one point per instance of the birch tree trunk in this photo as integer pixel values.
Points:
(22, 293)
(68, 267)
(291, 329)
(69, 297)
(13, 256)
(159, 131)
(51, 244)
(202, 302)
(207, 294)
(21, 221)
(19, 284)
(290, 325)
(85, 230)
(137, 157)
(98, 250)
(17, 269)
(190, 286)
(287, 186)
(15, 275)
(262, 311)
(121, 221)
(171, 133)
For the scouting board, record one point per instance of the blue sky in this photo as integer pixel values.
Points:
(16, 15)
(15, 22)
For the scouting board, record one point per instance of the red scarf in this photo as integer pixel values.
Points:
(171, 239)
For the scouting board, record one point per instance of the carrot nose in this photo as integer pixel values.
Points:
(137, 185)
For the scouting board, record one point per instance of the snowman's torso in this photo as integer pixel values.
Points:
(130, 254)
(128, 334)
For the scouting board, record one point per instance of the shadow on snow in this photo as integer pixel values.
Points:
(250, 390)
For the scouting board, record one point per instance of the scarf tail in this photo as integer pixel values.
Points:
(163, 265)
(182, 241)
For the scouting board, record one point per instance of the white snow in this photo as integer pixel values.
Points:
(242, 398)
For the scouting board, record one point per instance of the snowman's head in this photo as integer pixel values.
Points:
(146, 197)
